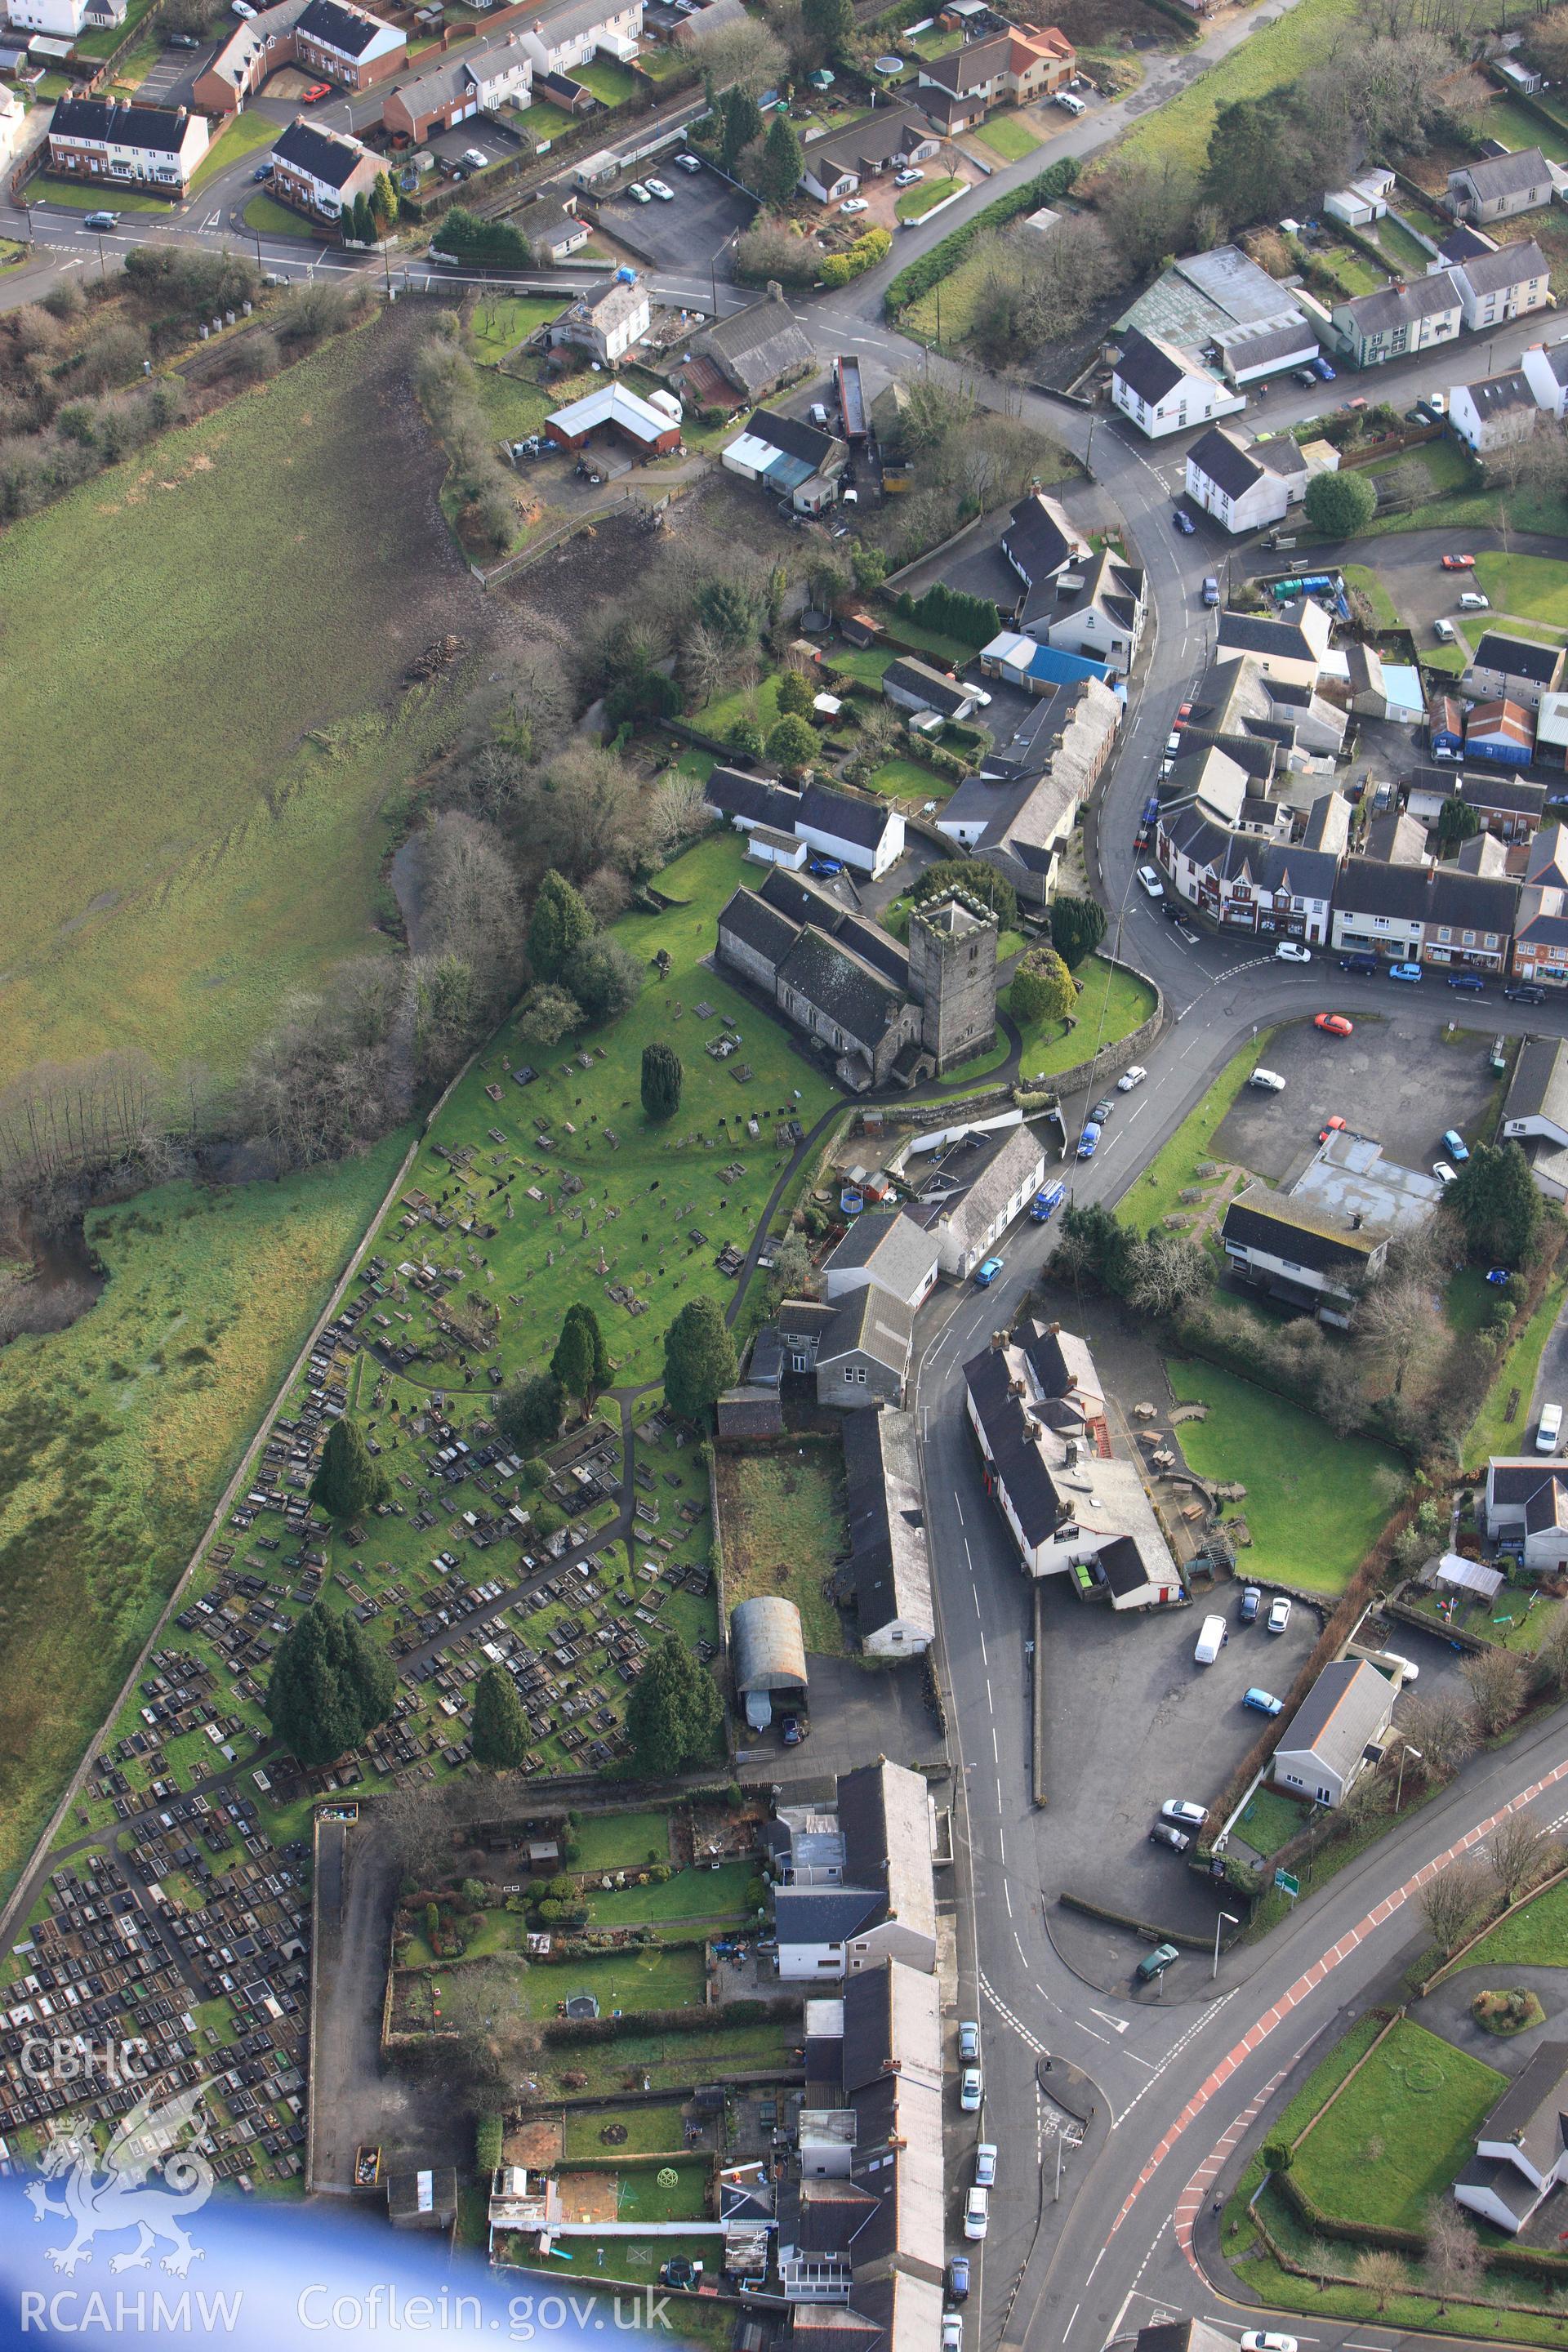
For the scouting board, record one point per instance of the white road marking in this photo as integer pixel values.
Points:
(1117, 2024)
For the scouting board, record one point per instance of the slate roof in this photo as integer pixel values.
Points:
(1517, 658)
(918, 677)
(1494, 395)
(891, 1246)
(861, 822)
(894, 131)
(1549, 857)
(1440, 895)
(1463, 244)
(1034, 543)
(859, 1001)
(160, 129)
(1255, 632)
(1259, 1218)
(464, 69)
(1245, 353)
(1504, 793)
(1149, 370)
(1400, 306)
(1515, 1482)
(795, 437)
(1347, 1708)
(1509, 265)
(348, 30)
(1540, 1084)
(966, 69)
(1505, 176)
(1014, 1452)
(989, 1168)
(822, 1914)
(1223, 461)
(1531, 2112)
(884, 1814)
(756, 925)
(869, 1321)
(758, 347)
(890, 1557)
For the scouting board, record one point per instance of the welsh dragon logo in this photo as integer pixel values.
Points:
(101, 2195)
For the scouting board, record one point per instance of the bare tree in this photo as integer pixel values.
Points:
(1453, 2257)
(1519, 1849)
(1166, 1273)
(1453, 1901)
(418, 1834)
(1146, 209)
(469, 903)
(1399, 1324)
(1340, 1397)
(1444, 1732)
(1381, 2273)
(1552, 1659)
(744, 54)
(592, 811)
(1496, 1681)
(1322, 2260)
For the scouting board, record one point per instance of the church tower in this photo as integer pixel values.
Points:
(952, 977)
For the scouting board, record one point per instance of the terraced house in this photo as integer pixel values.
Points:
(1398, 320)
(346, 44)
(478, 79)
(97, 139)
(1414, 914)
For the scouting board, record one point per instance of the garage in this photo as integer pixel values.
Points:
(769, 1653)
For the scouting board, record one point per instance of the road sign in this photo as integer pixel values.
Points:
(1285, 1884)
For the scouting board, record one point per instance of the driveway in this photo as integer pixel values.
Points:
(857, 1711)
(1395, 1080)
(703, 213)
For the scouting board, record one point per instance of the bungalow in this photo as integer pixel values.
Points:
(555, 231)
(348, 45)
(1398, 320)
(888, 1250)
(1340, 1727)
(1162, 390)
(1500, 730)
(1507, 283)
(1242, 488)
(1546, 368)
(886, 141)
(608, 320)
(1514, 668)
(1527, 1497)
(480, 78)
(1498, 187)
(750, 800)
(322, 171)
(890, 1560)
(102, 141)
(853, 1882)
(867, 835)
(1410, 914)
(1494, 413)
(1521, 2149)
(911, 684)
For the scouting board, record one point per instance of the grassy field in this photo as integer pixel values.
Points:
(117, 1437)
(1009, 136)
(1314, 1501)
(946, 314)
(1272, 56)
(1530, 587)
(915, 202)
(94, 196)
(1114, 1003)
(1420, 2099)
(242, 135)
(621, 1841)
(1491, 1432)
(1173, 1169)
(168, 882)
(1535, 1936)
(782, 1521)
(1503, 118)
(690, 1894)
(760, 702)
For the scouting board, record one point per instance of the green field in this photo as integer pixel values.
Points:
(1009, 136)
(1397, 2135)
(117, 1437)
(1527, 587)
(915, 202)
(207, 831)
(781, 1522)
(1271, 57)
(242, 135)
(1314, 1501)
(97, 195)
(1114, 1003)
(946, 314)
(620, 1841)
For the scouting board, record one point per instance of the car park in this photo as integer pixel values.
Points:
(958, 2278)
(638, 193)
(1149, 880)
(1334, 1025)
(1548, 1429)
(1167, 1833)
(985, 2165)
(976, 2212)
(1213, 1635)
(1472, 601)
(1528, 994)
(1268, 1082)
(1155, 1964)
(1045, 1202)
(1410, 971)
(1183, 522)
(1262, 1702)
(1278, 1612)
(855, 204)
(1458, 564)
(1089, 1141)
(1184, 1812)
(1251, 1601)
(968, 2042)
(1454, 1144)
(661, 189)
(1292, 951)
(1132, 1077)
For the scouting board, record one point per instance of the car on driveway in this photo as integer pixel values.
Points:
(1445, 1174)
(792, 1730)
(1262, 1702)
(318, 89)
(661, 189)
(1184, 1813)
(1332, 1024)
(1279, 1612)
(1411, 971)
(824, 868)
(1167, 1833)
(1183, 522)
(1155, 1964)
(855, 204)
(1149, 881)
(1251, 1601)
(1444, 631)
(1458, 564)
(1132, 1076)
(1292, 951)
(638, 193)
(986, 1274)
(1089, 1141)
(976, 2212)
(907, 178)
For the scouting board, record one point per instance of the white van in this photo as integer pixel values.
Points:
(1550, 1429)
(1073, 105)
(1211, 1641)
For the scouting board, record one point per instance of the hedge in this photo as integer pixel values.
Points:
(864, 254)
(973, 620)
(464, 237)
(486, 2143)
(944, 258)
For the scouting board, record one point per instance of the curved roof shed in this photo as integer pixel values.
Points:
(768, 1654)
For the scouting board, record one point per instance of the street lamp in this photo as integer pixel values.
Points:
(1399, 1786)
(1227, 1918)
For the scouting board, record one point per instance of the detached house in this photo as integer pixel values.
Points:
(1498, 187)
(1040, 542)
(889, 140)
(1515, 668)
(1242, 488)
(867, 835)
(1494, 413)
(1545, 368)
(1526, 1497)
(1162, 390)
(1340, 1727)
(321, 171)
(1521, 2149)
(1398, 320)
(853, 1882)
(609, 320)
(1010, 67)
(99, 140)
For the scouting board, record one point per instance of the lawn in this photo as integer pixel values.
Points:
(782, 1524)
(1531, 587)
(273, 219)
(1175, 1167)
(97, 195)
(242, 135)
(1420, 2100)
(168, 884)
(910, 780)
(499, 322)
(865, 663)
(611, 84)
(1314, 1501)
(1491, 1431)
(113, 36)
(1396, 242)
(1269, 1821)
(1385, 611)
(1501, 119)
(1535, 1936)
(915, 202)
(760, 702)
(1114, 1003)
(643, 2197)
(700, 1895)
(670, 2062)
(1009, 136)
(627, 1981)
(649, 2131)
(638, 2260)
(541, 122)
(1273, 57)
(119, 1433)
(620, 1841)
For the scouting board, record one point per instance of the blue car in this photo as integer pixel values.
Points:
(1183, 522)
(1471, 982)
(1088, 1140)
(1044, 1203)
(958, 2279)
(1323, 371)
(986, 1274)
(1454, 1144)
(1263, 1702)
(825, 866)
(1404, 971)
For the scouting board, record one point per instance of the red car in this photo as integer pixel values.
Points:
(1330, 1128)
(1334, 1022)
(1183, 715)
(317, 89)
(1458, 564)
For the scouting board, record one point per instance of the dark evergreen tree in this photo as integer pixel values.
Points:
(581, 1363)
(698, 1358)
(1495, 1200)
(675, 1711)
(350, 1480)
(784, 159)
(329, 1688)
(1457, 820)
(662, 1072)
(1077, 926)
(829, 24)
(743, 123)
(528, 1414)
(500, 1734)
(559, 923)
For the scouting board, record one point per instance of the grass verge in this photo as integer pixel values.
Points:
(1491, 1432)
(1395, 2136)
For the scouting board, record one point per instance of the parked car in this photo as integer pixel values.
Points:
(968, 2042)
(101, 223)
(1548, 1429)
(1089, 1141)
(182, 41)
(1454, 1144)
(1262, 1702)
(1251, 1601)
(976, 2212)
(1267, 2340)
(986, 1274)
(958, 2278)
(1292, 951)
(476, 156)
(1526, 994)
(1278, 1612)
(1390, 1662)
(1155, 1964)
(688, 163)
(824, 868)
(1102, 1110)
(1367, 965)
(1268, 1082)
(1323, 371)
(1330, 1127)
(855, 204)
(1458, 564)
(1167, 1833)
(970, 2090)
(1149, 880)
(1211, 588)
(1445, 1174)
(1184, 1812)
(1065, 98)
(1411, 971)
(1183, 522)
(315, 92)
(907, 178)
(262, 172)
(1444, 631)
(1045, 1202)
(638, 193)
(661, 189)
(1472, 601)
(1334, 1025)
(985, 2165)
(1172, 744)
(1132, 1077)
(952, 2331)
